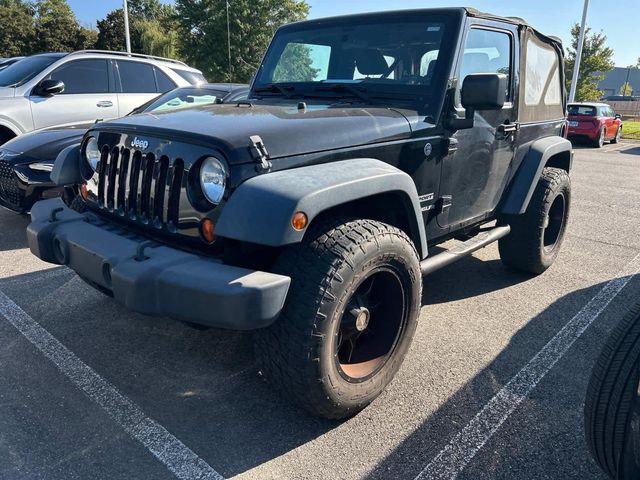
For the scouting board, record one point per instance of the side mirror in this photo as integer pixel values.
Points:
(484, 91)
(481, 91)
(46, 88)
(618, 116)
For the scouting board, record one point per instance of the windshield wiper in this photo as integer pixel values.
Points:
(284, 90)
(358, 91)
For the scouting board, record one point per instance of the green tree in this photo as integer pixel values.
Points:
(111, 32)
(156, 41)
(17, 28)
(57, 29)
(153, 29)
(626, 89)
(203, 33)
(596, 60)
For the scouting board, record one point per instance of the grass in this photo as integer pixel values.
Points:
(631, 130)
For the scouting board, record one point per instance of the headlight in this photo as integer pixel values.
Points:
(42, 166)
(92, 153)
(213, 179)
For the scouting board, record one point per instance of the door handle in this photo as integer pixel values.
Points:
(105, 104)
(509, 127)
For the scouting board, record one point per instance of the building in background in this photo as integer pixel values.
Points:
(616, 78)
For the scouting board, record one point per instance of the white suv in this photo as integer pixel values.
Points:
(61, 88)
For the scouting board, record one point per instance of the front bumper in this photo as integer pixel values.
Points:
(151, 278)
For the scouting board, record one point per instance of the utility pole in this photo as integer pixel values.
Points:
(576, 67)
(229, 40)
(125, 8)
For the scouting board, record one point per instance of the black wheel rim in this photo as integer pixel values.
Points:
(371, 325)
(555, 223)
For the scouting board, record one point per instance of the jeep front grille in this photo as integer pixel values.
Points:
(10, 192)
(140, 187)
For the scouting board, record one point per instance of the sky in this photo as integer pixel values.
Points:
(618, 20)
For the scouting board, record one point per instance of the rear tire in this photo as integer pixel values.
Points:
(536, 236)
(350, 316)
(599, 142)
(611, 395)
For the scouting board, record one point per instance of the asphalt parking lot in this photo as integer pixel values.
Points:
(492, 388)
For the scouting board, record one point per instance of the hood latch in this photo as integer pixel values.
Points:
(259, 154)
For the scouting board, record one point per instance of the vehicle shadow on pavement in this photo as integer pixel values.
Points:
(468, 278)
(13, 231)
(556, 415)
(203, 386)
(631, 149)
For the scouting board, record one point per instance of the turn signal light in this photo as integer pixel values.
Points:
(84, 193)
(208, 230)
(299, 221)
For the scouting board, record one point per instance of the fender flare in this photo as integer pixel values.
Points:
(525, 179)
(66, 169)
(260, 209)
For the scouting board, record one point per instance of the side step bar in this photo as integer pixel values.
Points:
(431, 264)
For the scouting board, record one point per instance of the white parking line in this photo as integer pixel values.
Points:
(175, 455)
(455, 456)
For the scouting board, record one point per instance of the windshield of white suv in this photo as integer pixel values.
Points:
(365, 58)
(24, 70)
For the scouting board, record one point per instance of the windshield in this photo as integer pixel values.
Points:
(582, 110)
(366, 58)
(24, 70)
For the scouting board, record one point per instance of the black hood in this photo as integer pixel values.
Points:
(284, 129)
(44, 145)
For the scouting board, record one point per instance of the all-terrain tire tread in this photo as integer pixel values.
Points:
(284, 348)
(521, 248)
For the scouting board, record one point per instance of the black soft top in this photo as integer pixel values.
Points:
(472, 12)
(461, 11)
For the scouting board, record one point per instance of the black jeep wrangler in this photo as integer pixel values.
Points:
(307, 213)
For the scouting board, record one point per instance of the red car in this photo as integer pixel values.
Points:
(596, 122)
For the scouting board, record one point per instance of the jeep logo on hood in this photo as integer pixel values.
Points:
(140, 144)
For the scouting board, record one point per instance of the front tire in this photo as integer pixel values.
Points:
(536, 236)
(350, 316)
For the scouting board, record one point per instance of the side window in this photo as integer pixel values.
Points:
(163, 81)
(83, 76)
(487, 51)
(136, 77)
(542, 94)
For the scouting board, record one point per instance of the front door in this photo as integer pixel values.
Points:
(610, 121)
(87, 95)
(474, 177)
